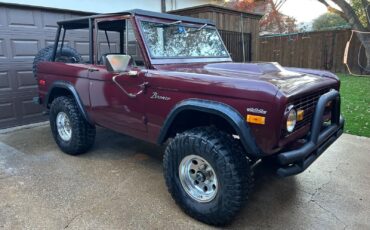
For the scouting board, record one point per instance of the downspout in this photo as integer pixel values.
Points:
(242, 31)
(126, 37)
(163, 6)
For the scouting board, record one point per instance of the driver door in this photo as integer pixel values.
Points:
(117, 98)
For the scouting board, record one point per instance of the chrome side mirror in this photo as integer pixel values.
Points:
(117, 62)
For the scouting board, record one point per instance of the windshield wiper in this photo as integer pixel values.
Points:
(173, 23)
(200, 28)
(168, 24)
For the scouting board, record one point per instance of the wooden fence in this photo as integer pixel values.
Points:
(234, 44)
(317, 50)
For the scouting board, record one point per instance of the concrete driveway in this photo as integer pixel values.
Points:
(119, 185)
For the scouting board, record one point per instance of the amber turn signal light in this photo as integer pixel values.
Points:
(255, 119)
(300, 115)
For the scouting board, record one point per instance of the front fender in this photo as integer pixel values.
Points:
(225, 111)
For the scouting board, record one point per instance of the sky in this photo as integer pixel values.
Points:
(98, 6)
(303, 10)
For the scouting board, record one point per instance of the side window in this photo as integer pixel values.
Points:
(75, 46)
(109, 39)
(117, 37)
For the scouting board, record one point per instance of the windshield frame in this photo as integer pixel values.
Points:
(172, 60)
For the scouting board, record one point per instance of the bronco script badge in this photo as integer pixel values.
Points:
(159, 97)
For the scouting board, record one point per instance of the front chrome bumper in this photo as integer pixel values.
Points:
(320, 138)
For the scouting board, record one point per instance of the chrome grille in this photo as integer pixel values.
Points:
(308, 104)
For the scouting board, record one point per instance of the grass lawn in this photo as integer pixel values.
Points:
(355, 95)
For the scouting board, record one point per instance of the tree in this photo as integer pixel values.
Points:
(273, 21)
(329, 21)
(351, 12)
(358, 7)
(245, 5)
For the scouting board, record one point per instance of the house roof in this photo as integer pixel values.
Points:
(18, 5)
(216, 8)
(83, 22)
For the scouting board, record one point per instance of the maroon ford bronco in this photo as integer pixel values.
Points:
(169, 80)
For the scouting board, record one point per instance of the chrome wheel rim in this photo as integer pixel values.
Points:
(198, 178)
(64, 126)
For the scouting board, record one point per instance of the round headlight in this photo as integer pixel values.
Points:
(291, 120)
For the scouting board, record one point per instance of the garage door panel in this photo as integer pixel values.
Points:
(26, 108)
(8, 111)
(24, 49)
(2, 49)
(23, 32)
(19, 111)
(29, 109)
(5, 82)
(49, 20)
(26, 80)
(3, 21)
(17, 79)
(82, 48)
(105, 48)
(21, 18)
(51, 42)
(19, 105)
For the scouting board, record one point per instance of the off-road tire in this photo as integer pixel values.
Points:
(67, 54)
(231, 166)
(83, 134)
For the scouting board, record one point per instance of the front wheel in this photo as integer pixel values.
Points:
(207, 174)
(73, 134)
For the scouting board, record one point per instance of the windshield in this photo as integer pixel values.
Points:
(177, 41)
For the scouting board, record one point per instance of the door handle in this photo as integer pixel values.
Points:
(93, 70)
(144, 85)
(131, 95)
(132, 73)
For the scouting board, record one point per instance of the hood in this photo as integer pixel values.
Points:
(288, 80)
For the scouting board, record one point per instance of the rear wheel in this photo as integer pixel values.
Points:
(73, 134)
(207, 174)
